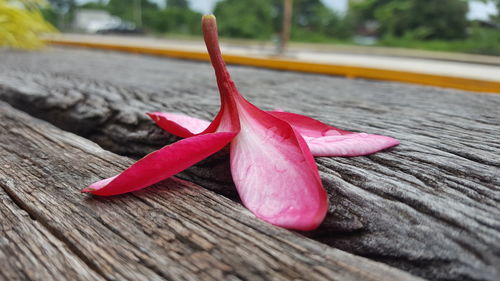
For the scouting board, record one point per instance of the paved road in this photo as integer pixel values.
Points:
(458, 68)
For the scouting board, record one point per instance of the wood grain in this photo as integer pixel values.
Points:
(28, 251)
(173, 231)
(429, 206)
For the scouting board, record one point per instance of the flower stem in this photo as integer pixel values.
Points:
(224, 81)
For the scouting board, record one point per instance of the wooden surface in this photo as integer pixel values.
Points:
(429, 206)
(175, 230)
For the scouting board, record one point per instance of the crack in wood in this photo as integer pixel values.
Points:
(174, 230)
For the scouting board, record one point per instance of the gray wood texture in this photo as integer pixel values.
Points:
(28, 251)
(175, 230)
(429, 206)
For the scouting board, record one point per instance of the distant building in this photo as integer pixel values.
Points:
(91, 21)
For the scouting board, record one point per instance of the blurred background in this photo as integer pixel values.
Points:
(468, 26)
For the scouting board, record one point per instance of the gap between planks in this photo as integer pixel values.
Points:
(174, 231)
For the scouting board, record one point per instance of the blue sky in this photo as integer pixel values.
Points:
(481, 11)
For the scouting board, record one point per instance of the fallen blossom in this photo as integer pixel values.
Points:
(271, 153)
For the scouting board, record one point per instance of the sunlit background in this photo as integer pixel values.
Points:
(445, 25)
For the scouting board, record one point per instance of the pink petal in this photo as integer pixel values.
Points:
(325, 140)
(355, 144)
(179, 124)
(272, 167)
(307, 126)
(162, 164)
(275, 173)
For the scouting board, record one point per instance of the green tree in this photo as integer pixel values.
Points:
(177, 17)
(245, 18)
(443, 19)
(339, 27)
(311, 14)
(174, 20)
(128, 9)
(415, 19)
(497, 16)
(100, 5)
(262, 18)
(50, 15)
(65, 11)
(183, 4)
(63, 6)
(312, 19)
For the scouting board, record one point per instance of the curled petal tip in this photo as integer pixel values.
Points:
(179, 124)
(96, 186)
(354, 144)
(325, 140)
(153, 116)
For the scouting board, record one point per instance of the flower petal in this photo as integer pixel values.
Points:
(355, 144)
(272, 167)
(307, 126)
(325, 140)
(275, 173)
(179, 124)
(162, 164)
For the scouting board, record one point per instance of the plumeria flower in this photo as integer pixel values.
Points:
(271, 153)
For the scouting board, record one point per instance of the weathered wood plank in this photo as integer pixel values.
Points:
(175, 230)
(29, 252)
(429, 206)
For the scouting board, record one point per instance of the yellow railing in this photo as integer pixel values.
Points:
(468, 84)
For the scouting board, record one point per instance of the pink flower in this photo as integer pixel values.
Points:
(271, 153)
